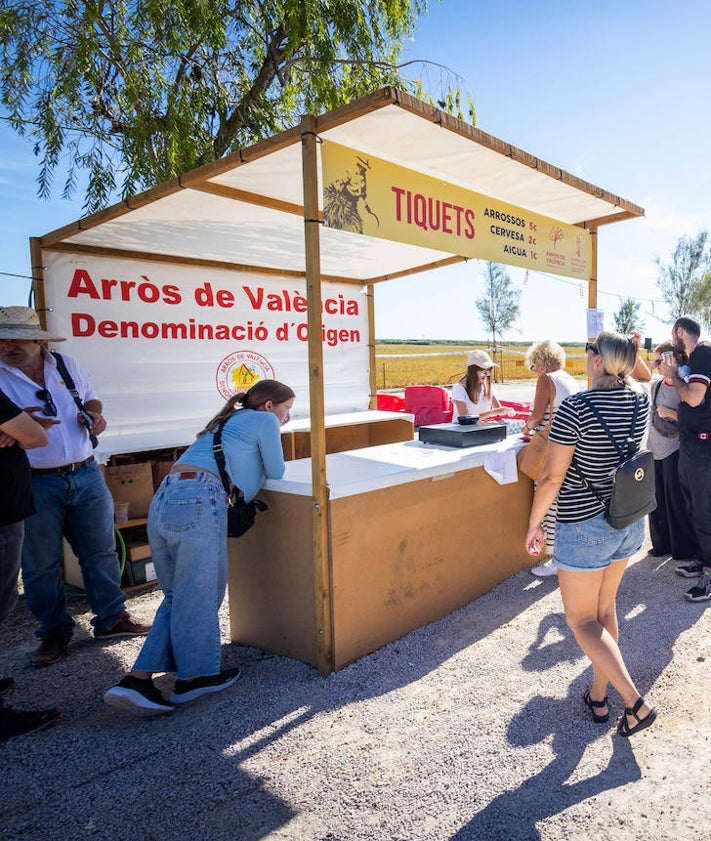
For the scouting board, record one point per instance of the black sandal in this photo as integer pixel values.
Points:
(593, 705)
(623, 727)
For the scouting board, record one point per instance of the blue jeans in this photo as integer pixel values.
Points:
(187, 530)
(10, 550)
(77, 506)
(593, 544)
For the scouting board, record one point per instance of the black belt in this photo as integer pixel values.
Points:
(64, 468)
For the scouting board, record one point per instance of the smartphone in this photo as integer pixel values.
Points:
(86, 418)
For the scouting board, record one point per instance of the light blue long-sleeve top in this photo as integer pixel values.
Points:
(251, 442)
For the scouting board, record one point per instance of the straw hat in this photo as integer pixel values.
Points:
(480, 358)
(23, 323)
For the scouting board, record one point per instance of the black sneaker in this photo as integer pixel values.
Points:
(689, 569)
(138, 695)
(190, 690)
(702, 591)
(18, 722)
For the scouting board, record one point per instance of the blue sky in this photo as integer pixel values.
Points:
(616, 93)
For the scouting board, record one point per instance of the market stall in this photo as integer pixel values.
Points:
(265, 263)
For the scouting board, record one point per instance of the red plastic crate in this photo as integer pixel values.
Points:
(390, 403)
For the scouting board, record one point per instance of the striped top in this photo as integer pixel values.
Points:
(574, 424)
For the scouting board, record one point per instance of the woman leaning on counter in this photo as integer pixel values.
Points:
(187, 532)
(590, 555)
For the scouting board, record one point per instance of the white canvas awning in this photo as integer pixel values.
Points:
(247, 209)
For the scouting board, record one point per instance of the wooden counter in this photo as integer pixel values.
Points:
(348, 431)
(416, 531)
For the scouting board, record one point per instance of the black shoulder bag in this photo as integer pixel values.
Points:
(632, 480)
(240, 514)
(86, 418)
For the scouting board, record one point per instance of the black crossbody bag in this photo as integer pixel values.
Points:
(240, 514)
(86, 418)
(632, 480)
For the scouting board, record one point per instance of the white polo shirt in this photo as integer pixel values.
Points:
(69, 440)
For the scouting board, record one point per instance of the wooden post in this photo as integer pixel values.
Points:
(373, 377)
(38, 280)
(319, 488)
(592, 282)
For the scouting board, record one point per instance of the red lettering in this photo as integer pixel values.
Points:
(224, 298)
(399, 192)
(82, 284)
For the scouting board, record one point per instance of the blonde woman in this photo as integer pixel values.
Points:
(547, 359)
(590, 555)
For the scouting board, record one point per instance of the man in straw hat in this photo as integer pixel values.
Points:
(70, 495)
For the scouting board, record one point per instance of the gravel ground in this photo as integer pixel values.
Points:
(470, 728)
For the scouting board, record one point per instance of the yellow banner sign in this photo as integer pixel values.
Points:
(370, 196)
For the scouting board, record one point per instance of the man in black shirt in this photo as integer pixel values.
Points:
(695, 445)
(18, 431)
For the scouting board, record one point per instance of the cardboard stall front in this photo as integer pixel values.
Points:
(265, 264)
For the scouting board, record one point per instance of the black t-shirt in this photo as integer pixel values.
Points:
(15, 487)
(695, 419)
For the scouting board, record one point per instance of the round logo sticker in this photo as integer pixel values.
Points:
(241, 370)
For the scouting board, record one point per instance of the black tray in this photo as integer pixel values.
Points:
(456, 435)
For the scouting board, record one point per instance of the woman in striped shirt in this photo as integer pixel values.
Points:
(590, 555)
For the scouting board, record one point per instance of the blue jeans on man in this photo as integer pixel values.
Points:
(77, 506)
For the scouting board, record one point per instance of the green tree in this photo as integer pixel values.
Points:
(135, 92)
(701, 300)
(627, 317)
(499, 305)
(680, 279)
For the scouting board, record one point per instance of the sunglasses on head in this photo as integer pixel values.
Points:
(592, 347)
(49, 409)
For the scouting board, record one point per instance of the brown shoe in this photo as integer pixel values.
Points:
(49, 651)
(124, 626)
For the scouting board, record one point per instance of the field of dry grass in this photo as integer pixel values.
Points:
(400, 365)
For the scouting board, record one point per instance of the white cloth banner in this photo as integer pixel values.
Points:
(165, 345)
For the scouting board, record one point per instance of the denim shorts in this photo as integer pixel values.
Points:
(594, 544)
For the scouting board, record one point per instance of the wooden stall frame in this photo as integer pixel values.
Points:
(69, 239)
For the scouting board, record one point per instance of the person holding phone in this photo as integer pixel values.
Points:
(670, 527)
(72, 500)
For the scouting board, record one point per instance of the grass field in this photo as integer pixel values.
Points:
(398, 365)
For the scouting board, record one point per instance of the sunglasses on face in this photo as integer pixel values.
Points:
(49, 409)
(592, 347)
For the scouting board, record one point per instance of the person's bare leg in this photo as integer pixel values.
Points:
(588, 600)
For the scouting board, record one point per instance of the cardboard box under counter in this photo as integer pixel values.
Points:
(458, 435)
